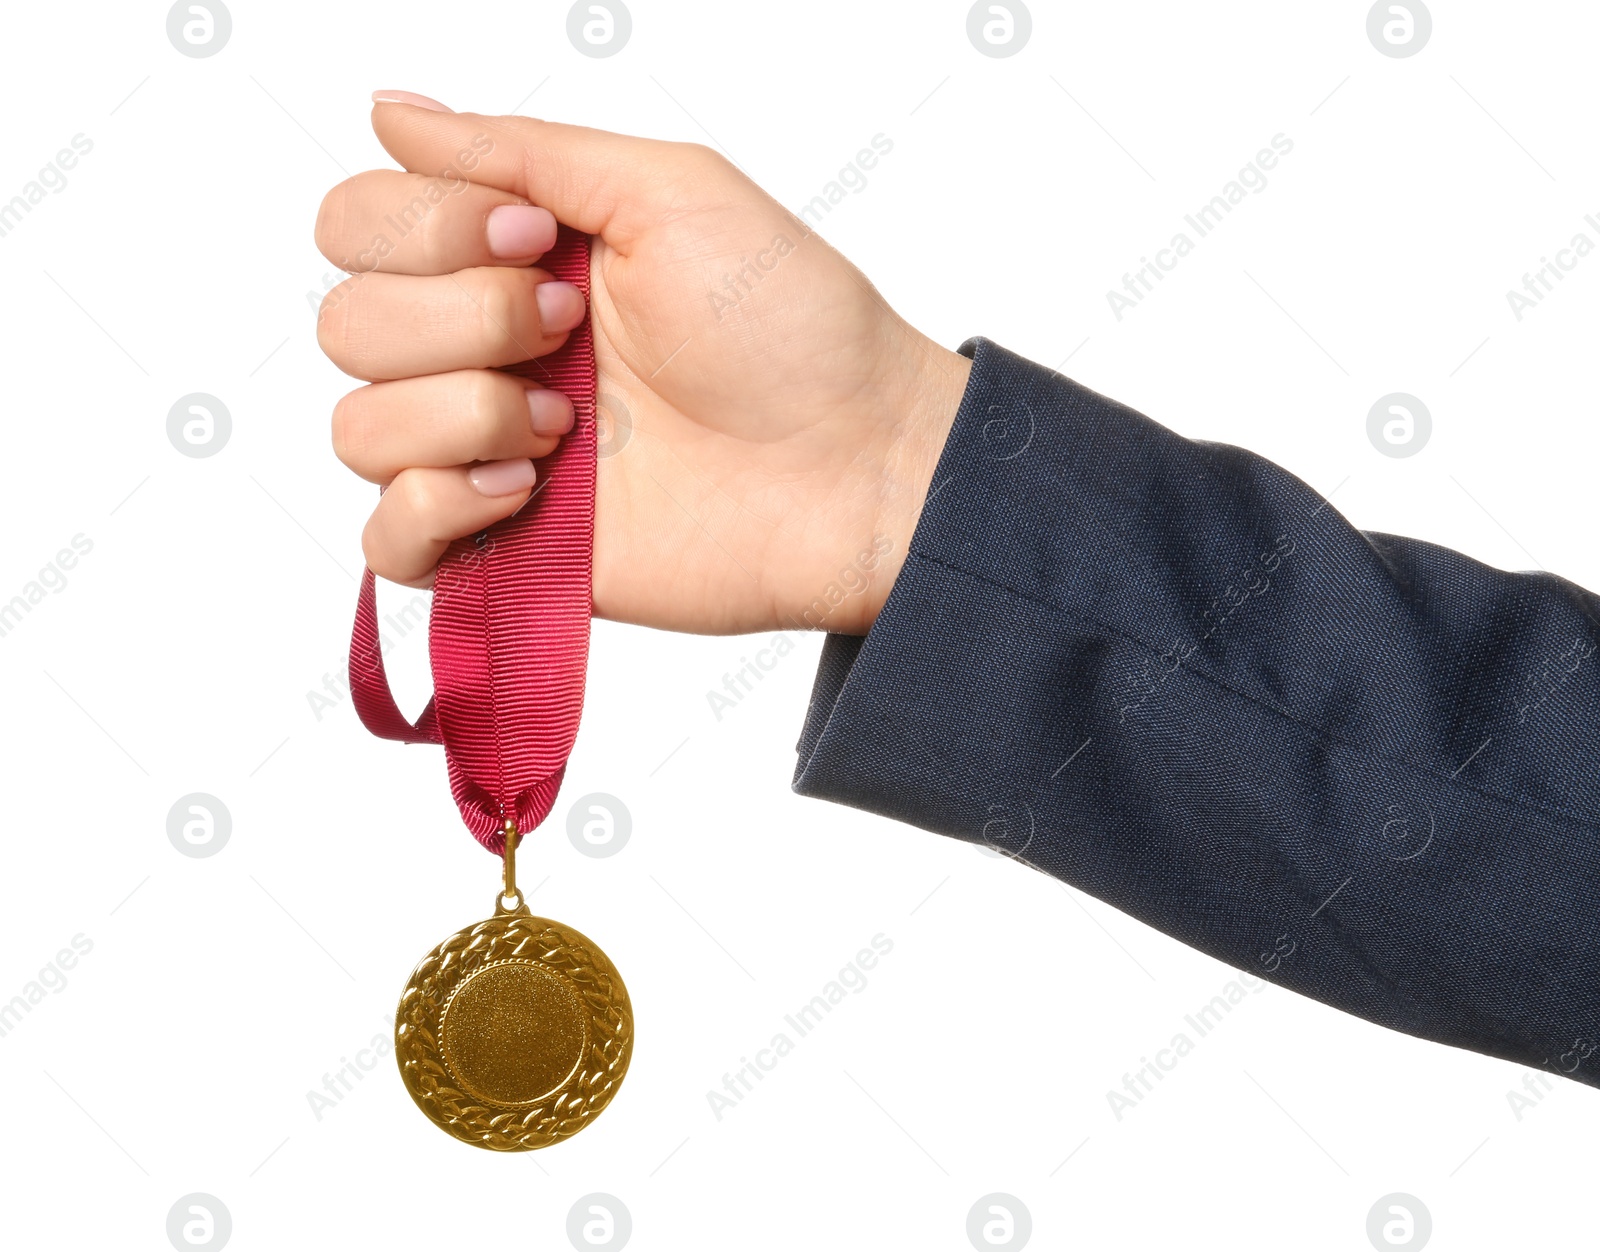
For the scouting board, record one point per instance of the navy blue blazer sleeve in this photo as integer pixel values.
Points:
(1167, 672)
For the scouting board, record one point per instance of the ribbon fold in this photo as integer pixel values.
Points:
(508, 634)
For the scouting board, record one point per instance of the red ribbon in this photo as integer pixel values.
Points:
(508, 637)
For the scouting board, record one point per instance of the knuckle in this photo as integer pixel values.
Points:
(352, 428)
(431, 238)
(333, 319)
(416, 499)
(338, 219)
(371, 552)
(379, 557)
(497, 306)
(484, 405)
(330, 218)
(704, 157)
(351, 326)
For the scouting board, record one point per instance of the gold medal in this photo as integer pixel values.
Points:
(516, 1032)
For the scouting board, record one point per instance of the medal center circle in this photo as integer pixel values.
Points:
(513, 1032)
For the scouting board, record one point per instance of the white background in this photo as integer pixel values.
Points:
(179, 656)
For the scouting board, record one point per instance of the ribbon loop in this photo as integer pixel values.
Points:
(508, 634)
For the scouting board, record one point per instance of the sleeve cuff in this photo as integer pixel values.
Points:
(877, 729)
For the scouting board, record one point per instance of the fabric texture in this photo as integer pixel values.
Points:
(1363, 767)
(508, 630)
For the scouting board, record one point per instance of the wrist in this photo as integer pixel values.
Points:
(936, 380)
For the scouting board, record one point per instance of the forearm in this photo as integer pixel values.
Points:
(1169, 673)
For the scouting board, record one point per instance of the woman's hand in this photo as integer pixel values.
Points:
(769, 426)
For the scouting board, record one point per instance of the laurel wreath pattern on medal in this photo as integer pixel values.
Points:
(564, 1111)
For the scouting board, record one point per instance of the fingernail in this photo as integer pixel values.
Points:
(410, 97)
(560, 306)
(549, 411)
(502, 478)
(518, 230)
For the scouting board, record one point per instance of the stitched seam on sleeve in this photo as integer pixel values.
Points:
(1583, 819)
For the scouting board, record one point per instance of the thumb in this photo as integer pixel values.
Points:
(614, 186)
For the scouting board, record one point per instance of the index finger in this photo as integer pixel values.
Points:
(406, 223)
